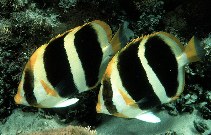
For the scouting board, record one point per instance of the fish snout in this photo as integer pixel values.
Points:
(17, 98)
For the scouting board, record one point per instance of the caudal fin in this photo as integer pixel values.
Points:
(194, 50)
(121, 37)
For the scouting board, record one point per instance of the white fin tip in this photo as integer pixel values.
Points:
(66, 102)
(148, 117)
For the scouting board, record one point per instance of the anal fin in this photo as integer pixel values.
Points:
(66, 102)
(148, 117)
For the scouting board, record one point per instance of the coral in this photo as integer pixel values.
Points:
(150, 14)
(200, 126)
(26, 24)
(12, 5)
(188, 17)
(5, 31)
(207, 43)
(34, 24)
(69, 130)
(170, 133)
(21, 27)
(8, 67)
(66, 4)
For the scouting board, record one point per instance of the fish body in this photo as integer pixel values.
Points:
(147, 72)
(70, 63)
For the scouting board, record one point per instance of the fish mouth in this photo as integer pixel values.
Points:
(18, 98)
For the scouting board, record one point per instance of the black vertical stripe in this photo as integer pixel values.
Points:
(134, 77)
(89, 52)
(28, 87)
(58, 69)
(108, 95)
(163, 62)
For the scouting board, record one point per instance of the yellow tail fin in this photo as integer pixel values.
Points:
(194, 50)
(121, 37)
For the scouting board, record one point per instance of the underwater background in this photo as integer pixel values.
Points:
(27, 24)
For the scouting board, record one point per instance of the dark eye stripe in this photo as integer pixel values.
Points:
(28, 87)
(107, 96)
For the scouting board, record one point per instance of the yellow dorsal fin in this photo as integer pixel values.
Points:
(174, 43)
(106, 27)
(173, 38)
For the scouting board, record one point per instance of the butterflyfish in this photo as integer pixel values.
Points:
(70, 63)
(147, 72)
